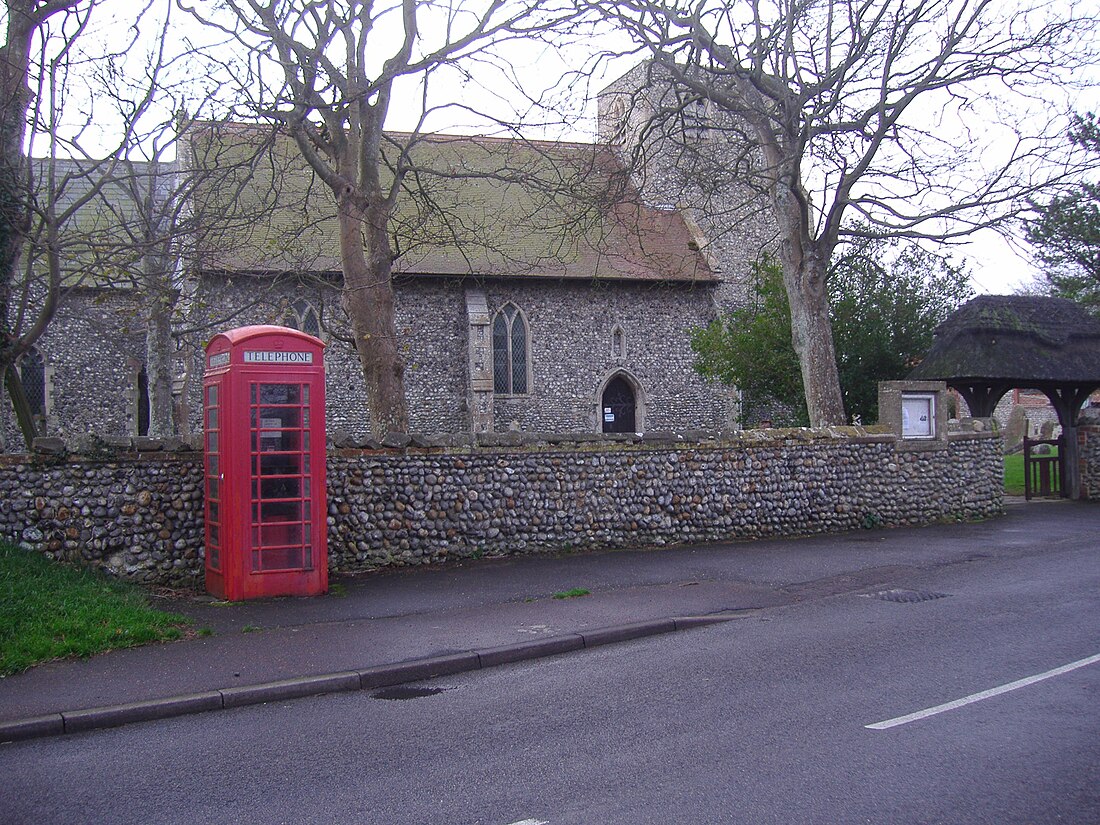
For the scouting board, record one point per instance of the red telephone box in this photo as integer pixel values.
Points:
(264, 425)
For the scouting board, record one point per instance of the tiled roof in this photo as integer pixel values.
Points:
(489, 207)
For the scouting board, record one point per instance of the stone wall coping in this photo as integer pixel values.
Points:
(95, 449)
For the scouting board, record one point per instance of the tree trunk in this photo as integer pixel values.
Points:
(14, 217)
(158, 363)
(812, 337)
(368, 295)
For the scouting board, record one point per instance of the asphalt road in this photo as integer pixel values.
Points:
(760, 720)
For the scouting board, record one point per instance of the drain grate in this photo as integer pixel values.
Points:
(906, 596)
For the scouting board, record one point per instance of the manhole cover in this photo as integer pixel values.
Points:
(406, 692)
(906, 596)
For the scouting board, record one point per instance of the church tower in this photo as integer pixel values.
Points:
(683, 152)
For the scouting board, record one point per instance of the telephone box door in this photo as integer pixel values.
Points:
(264, 416)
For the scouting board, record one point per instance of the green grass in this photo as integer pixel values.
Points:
(572, 594)
(50, 611)
(1014, 474)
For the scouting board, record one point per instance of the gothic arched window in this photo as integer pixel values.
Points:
(303, 317)
(510, 351)
(32, 374)
(618, 342)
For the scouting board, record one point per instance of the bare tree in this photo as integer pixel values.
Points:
(927, 119)
(105, 204)
(335, 67)
(25, 19)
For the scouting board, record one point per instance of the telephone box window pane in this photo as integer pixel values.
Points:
(305, 393)
(212, 442)
(281, 511)
(214, 511)
(213, 488)
(279, 464)
(272, 488)
(255, 512)
(255, 536)
(212, 418)
(213, 465)
(307, 562)
(215, 534)
(212, 395)
(305, 417)
(278, 535)
(305, 463)
(305, 440)
(305, 487)
(283, 558)
(252, 393)
(280, 394)
(255, 560)
(278, 417)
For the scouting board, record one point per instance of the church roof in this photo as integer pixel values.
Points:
(490, 207)
(1024, 340)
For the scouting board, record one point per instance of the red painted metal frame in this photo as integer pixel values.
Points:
(264, 437)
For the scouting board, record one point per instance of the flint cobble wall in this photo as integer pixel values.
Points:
(140, 514)
(1088, 454)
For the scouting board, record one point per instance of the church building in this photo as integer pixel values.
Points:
(539, 286)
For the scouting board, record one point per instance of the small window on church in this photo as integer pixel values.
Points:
(303, 317)
(509, 351)
(618, 342)
(32, 375)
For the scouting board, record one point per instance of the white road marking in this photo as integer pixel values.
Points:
(530, 822)
(985, 694)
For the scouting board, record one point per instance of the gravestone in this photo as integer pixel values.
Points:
(1016, 428)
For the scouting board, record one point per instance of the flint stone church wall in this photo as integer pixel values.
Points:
(570, 344)
(139, 514)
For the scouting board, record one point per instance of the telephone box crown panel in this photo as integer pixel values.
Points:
(264, 426)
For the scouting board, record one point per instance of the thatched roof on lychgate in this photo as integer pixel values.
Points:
(1019, 340)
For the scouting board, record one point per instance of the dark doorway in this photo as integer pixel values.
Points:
(617, 407)
(143, 409)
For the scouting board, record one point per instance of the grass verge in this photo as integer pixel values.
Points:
(50, 611)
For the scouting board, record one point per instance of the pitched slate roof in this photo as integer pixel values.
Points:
(480, 206)
(1024, 340)
(100, 242)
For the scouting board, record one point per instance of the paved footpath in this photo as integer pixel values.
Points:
(388, 628)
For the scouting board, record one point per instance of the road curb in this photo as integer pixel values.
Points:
(415, 670)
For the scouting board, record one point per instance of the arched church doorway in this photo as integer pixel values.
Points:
(618, 406)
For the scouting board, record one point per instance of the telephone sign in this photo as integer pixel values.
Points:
(264, 426)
